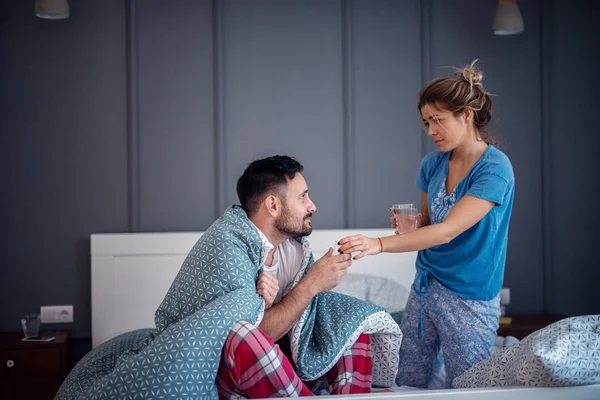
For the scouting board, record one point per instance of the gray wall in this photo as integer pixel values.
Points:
(140, 115)
(63, 153)
(572, 166)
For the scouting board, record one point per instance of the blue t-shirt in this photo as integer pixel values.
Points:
(472, 264)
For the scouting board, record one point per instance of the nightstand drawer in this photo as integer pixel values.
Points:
(24, 389)
(14, 363)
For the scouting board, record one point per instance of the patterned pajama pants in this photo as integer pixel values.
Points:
(465, 330)
(252, 366)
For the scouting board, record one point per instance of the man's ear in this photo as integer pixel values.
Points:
(273, 205)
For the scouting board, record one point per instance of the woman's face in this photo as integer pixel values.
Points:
(446, 130)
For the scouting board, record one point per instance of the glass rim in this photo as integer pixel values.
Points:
(407, 205)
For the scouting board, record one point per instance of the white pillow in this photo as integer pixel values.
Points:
(566, 353)
(377, 290)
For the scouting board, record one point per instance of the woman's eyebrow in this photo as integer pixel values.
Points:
(433, 116)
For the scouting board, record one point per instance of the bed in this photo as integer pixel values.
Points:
(131, 273)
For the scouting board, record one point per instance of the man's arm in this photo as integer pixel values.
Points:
(280, 318)
(324, 275)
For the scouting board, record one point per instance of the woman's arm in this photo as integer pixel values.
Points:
(466, 213)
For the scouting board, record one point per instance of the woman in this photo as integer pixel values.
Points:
(467, 196)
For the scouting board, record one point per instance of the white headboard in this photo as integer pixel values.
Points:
(131, 273)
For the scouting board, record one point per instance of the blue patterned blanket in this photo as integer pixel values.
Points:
(216, 287)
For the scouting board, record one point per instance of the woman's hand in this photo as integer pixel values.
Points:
(268, 287)
(362, 244)
(405, 222)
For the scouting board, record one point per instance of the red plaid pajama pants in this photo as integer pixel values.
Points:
(253, 366)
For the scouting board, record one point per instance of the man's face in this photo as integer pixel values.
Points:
(297, 209)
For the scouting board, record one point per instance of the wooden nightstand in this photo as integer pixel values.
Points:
(524, 325)
(32, 370)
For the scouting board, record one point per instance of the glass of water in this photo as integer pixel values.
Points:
(31, 325)
(407, 217)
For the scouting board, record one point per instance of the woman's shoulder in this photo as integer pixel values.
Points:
(498, 163)
(434, 155)
(433, 158)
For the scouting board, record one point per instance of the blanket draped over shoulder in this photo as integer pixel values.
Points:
(215, 288)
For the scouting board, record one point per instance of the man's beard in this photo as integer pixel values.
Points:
(292, 227)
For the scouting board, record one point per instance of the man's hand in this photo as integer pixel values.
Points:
(268, 287)
(326, 273)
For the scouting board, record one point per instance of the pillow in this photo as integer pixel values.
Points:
(566, 353)
(375, 289)
(438, 378)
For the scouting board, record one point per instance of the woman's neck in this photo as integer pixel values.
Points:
(470, 150)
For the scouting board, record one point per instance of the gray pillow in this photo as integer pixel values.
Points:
(375, 289)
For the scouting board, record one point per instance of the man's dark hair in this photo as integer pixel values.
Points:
(263, 177)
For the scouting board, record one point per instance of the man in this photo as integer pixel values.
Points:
(274, 195)
(216, 327)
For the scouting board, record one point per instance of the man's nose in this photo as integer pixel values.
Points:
(312, 208)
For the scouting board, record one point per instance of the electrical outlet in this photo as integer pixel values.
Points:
(56, 314)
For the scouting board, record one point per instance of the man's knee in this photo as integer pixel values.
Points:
(245, 338)
(363, 341)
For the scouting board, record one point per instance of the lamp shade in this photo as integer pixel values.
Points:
(508, 19)
(52, 9)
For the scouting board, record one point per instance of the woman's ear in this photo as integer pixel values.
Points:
(468, 115)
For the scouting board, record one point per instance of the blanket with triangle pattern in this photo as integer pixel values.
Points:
(216, 287)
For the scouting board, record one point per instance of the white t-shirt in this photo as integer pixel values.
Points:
(287, 261)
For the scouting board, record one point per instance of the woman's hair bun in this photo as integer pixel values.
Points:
(470, 74)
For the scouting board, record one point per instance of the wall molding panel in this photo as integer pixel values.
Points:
(348, 113)
(133, 129)
(219, 107)
(545, 98)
